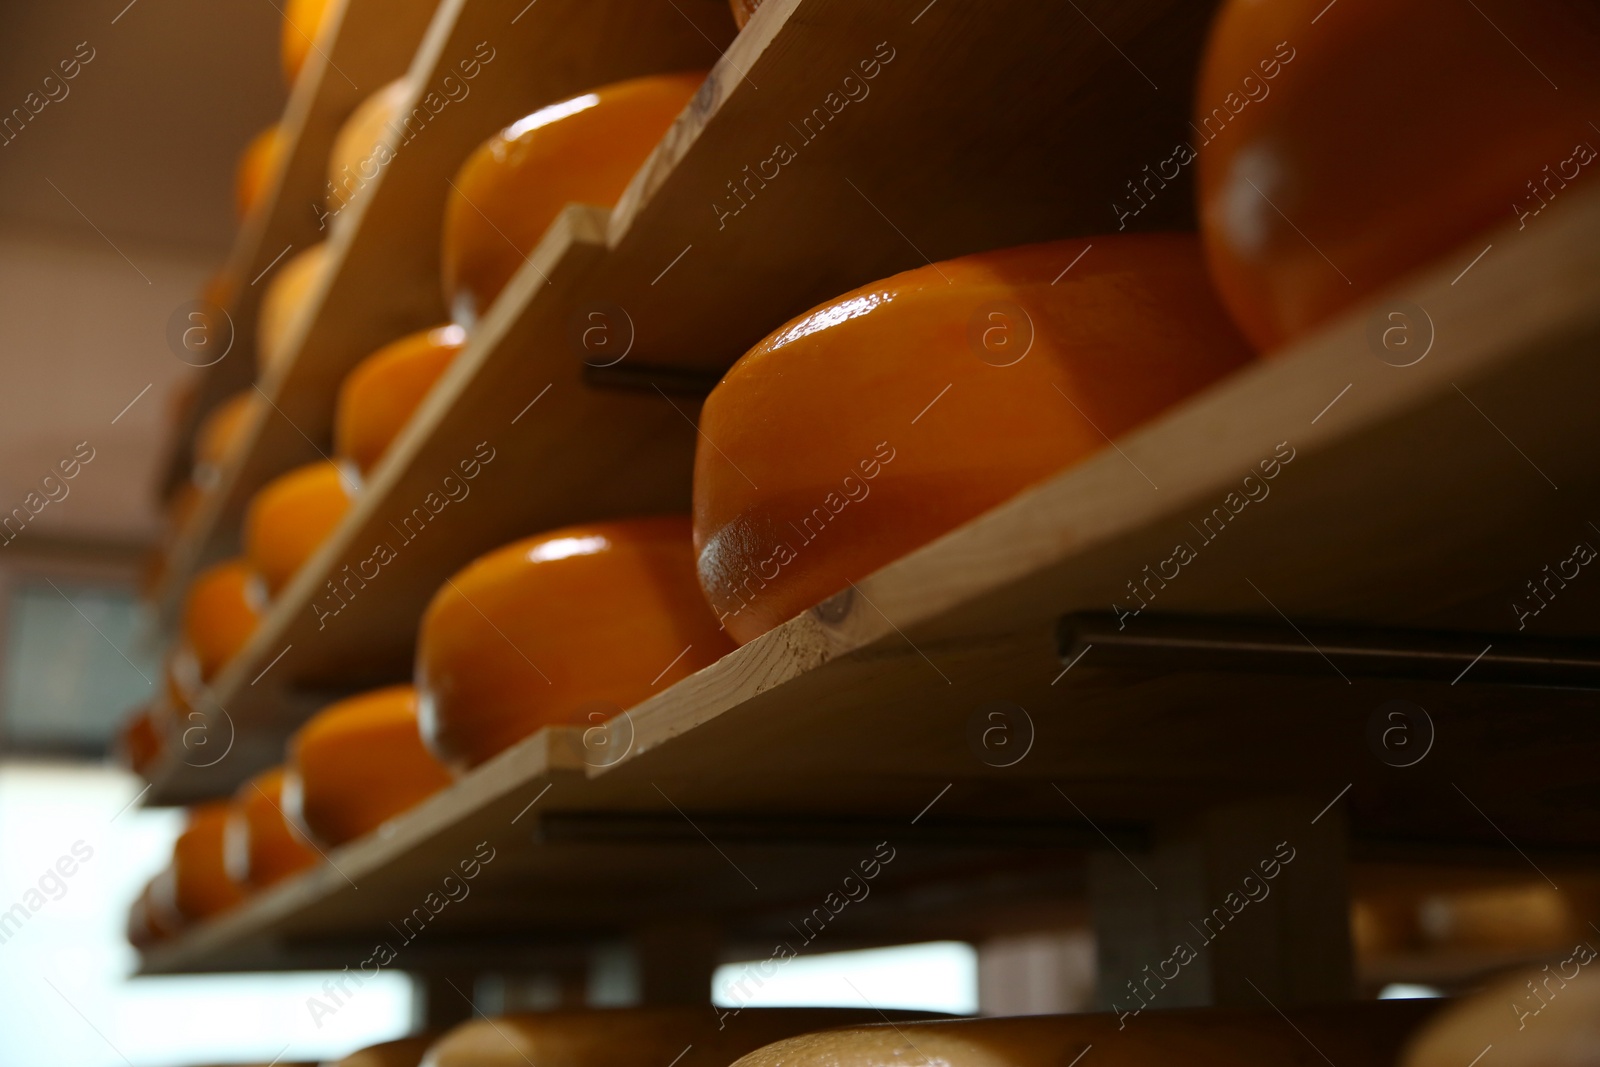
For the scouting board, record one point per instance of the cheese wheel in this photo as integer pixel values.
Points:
(220, 436)
(358, 153)
(1546, 1017)
(290, 517)
(261, 846)
(879, 421)
(628, 1037)
(742, 10)
(380, 395)
(200, 886)
(257, 164)
(1333, 159)
(303, 23)
(140, 742)
(567, 627)
(1358, 1033)
(357, 764)
(406, 1052)
(583, 150)
(220, 613)
(286, 299)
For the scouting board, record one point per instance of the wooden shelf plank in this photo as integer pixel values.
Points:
(1405, 503)
(384, 278)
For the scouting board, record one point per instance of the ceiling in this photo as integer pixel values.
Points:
(115, 206)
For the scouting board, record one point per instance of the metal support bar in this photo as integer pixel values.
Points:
(1188, 643)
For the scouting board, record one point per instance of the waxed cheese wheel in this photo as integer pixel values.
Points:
(262, 847)
(257, 164)
(291, 516)
(887, 417)
(289, 293)
(1366, 1033)
(220, 436)
(141, 741)
(384, 390)
(220, 613)
(1537, 1017)
(572, 626)
(358, 763)
(359, 151)
(199, 885)
(303, 23)
(1334, 158)
(584, 150)
(630, 1037)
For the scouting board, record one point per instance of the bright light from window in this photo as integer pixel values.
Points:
(66, 995)
(936, 976)
(1408, 991)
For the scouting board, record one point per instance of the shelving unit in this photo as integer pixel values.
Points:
(1417, 498)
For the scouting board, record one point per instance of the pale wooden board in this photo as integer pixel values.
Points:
(863, 722)
(371, 43)
(995, 123)
(384, 279)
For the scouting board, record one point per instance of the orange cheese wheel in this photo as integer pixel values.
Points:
(262, 847)
(140, 740)
(626, 1037)
(200, 883)
(380, 395)
(571, 626)
(292, 515)
(257, 164)
(358, 153)
(1334, 158)
(1360, 1032)
(742, 10)
(1545, 1017)
(584, 150)
(220, 612)
(880, 420)
(288, 295)
(303, 22)
(357, 764)
(406, 1052)
(220, 436)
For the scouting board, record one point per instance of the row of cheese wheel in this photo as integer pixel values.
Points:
(1042, 358)
(1372, 1034)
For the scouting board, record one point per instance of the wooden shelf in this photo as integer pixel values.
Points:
(384, 276)
(371, 44)
(1417, 496)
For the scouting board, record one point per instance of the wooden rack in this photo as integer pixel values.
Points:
(1419, 496)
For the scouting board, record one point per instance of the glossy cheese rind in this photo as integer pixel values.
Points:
(220, 435)
(882, 419)
(290, 517)
(221, 611)
(378, 397)
(289, 291)
(358, 151)
(1334, 158)
(357, 764)
(573, 626)
(257, 164)
(201, 887)
(583, 150)
(303, 23)
(261, 847)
